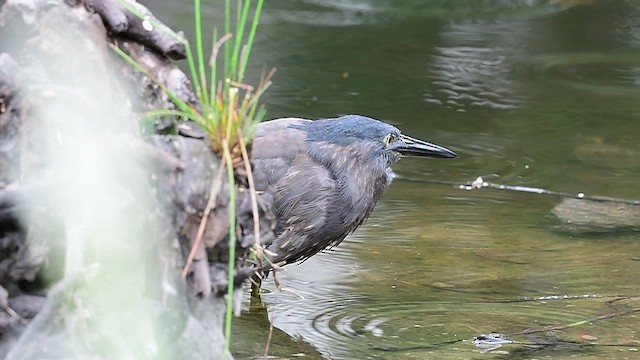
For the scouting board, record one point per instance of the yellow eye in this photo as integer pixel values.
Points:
(389, 138)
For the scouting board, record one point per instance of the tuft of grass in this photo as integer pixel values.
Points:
(229, 104)
(229, 109)
(225, 104)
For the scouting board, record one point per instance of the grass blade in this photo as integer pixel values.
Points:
(232, 248)
(252, 34)
(200, 53)
(239, 35)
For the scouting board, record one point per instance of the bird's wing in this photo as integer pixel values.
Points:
(274, 147)
(302, 189)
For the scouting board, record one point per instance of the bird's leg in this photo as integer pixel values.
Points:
(255, 301)
(275, 280)
(256, 282)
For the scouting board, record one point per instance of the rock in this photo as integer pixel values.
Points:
(580, 216)
(604, 155)
(64, 322)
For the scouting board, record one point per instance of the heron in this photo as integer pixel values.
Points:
(325, 177)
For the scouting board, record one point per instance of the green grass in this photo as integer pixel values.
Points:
(229, 108)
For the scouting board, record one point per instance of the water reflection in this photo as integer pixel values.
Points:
(473, 66)
(315, 302)
(328, 13)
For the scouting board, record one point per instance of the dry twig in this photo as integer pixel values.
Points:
(213, 195)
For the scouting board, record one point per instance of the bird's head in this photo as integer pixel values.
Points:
(373, 139)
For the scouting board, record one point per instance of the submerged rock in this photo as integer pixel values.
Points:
(576, 215)
(600, 154)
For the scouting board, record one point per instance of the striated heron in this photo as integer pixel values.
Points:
(325, 177)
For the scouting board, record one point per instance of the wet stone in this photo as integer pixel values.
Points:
(600, 154)
(576, 216)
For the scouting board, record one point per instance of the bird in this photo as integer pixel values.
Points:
(325, 177)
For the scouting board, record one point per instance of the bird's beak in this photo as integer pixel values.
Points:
(408, 146)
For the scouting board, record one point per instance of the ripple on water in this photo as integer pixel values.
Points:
(364, 302)
(473, 67)
(604, 74)
(358, 12)
(455, 293)
(343, 327)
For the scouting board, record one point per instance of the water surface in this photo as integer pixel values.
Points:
(536, 93)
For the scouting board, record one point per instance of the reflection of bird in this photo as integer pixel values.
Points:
(325, 177)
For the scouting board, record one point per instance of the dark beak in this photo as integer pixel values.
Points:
(408, 146)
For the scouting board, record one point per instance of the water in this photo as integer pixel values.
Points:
(529, 93)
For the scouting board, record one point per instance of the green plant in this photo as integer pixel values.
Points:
(228, 109)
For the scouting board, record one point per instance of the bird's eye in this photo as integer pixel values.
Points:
(389, 138)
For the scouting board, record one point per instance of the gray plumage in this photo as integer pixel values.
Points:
(326, 176)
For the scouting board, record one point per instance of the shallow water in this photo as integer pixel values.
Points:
(531, 93)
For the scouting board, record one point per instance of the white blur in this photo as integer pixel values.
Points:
(96, 207)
